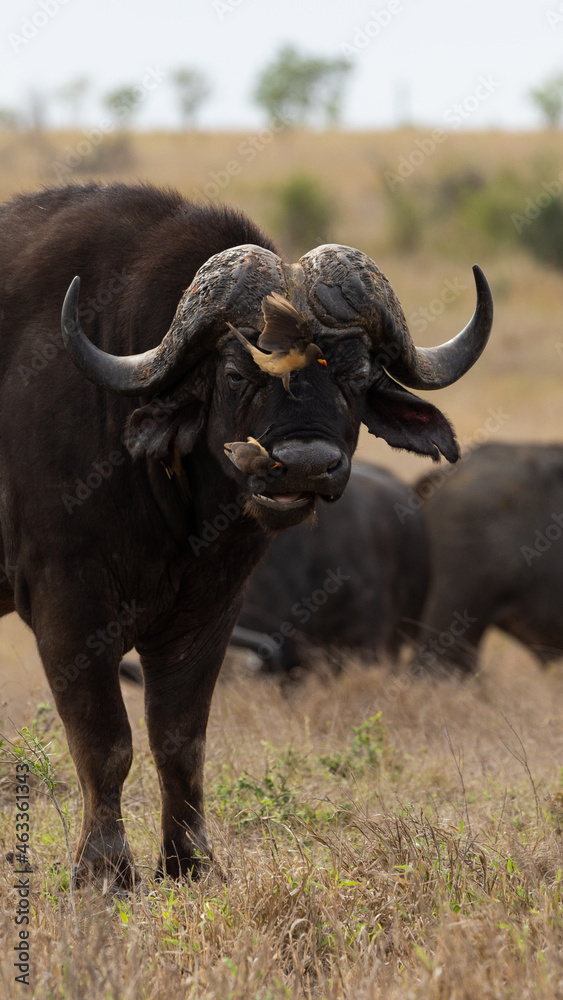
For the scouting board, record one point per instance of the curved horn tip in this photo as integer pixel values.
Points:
(70, 307)
(74, 287)
(438, 367)
(481, 283)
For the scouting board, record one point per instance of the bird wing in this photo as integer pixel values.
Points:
(285, 326)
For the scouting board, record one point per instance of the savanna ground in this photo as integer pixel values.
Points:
(378, 836)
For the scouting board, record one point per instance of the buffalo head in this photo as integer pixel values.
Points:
(201, 382)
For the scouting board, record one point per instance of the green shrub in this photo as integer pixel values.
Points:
(544, 236)
(406, 214)
(304, 214)
(489, 210)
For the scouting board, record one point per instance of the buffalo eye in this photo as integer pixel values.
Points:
(242, 372)
(349, 363)
(355, 375)
(234, 378)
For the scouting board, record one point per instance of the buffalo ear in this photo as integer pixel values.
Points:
(190, 426)
(405, 421)
(152, 429)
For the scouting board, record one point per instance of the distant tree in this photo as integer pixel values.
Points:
(123, 103)
(37, 110)
(549, 100)
(9, 120)
(303, 88)
(192, 89)
(72, 94)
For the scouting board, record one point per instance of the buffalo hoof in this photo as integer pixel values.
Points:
(113, 874)
(194, 868)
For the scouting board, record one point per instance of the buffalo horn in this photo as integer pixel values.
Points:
(229, 286)
(120, 374)
(347, 291)
(437, 367)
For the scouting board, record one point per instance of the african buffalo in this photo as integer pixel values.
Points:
(496, 531)
(356, 580)
(124, 523)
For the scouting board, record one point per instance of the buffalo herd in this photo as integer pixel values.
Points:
(476, 545)
(164, 420)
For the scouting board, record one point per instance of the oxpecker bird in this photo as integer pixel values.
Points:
(250, 457)
(286, 335)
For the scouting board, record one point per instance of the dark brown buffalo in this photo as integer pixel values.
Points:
(496, 532)
(123, 521)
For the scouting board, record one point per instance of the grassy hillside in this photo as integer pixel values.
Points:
(350, 167)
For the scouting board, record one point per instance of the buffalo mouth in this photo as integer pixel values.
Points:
(284, 501)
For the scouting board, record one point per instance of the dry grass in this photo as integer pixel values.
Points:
(378, 838)
(412, 854)
(349, 166)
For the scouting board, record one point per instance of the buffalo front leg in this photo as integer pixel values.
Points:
(83, 672)
(179, 683)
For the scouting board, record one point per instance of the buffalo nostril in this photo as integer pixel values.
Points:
(313, 459)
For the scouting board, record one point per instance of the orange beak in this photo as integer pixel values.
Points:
(321, 361)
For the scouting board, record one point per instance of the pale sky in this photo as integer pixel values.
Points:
(423, 56)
